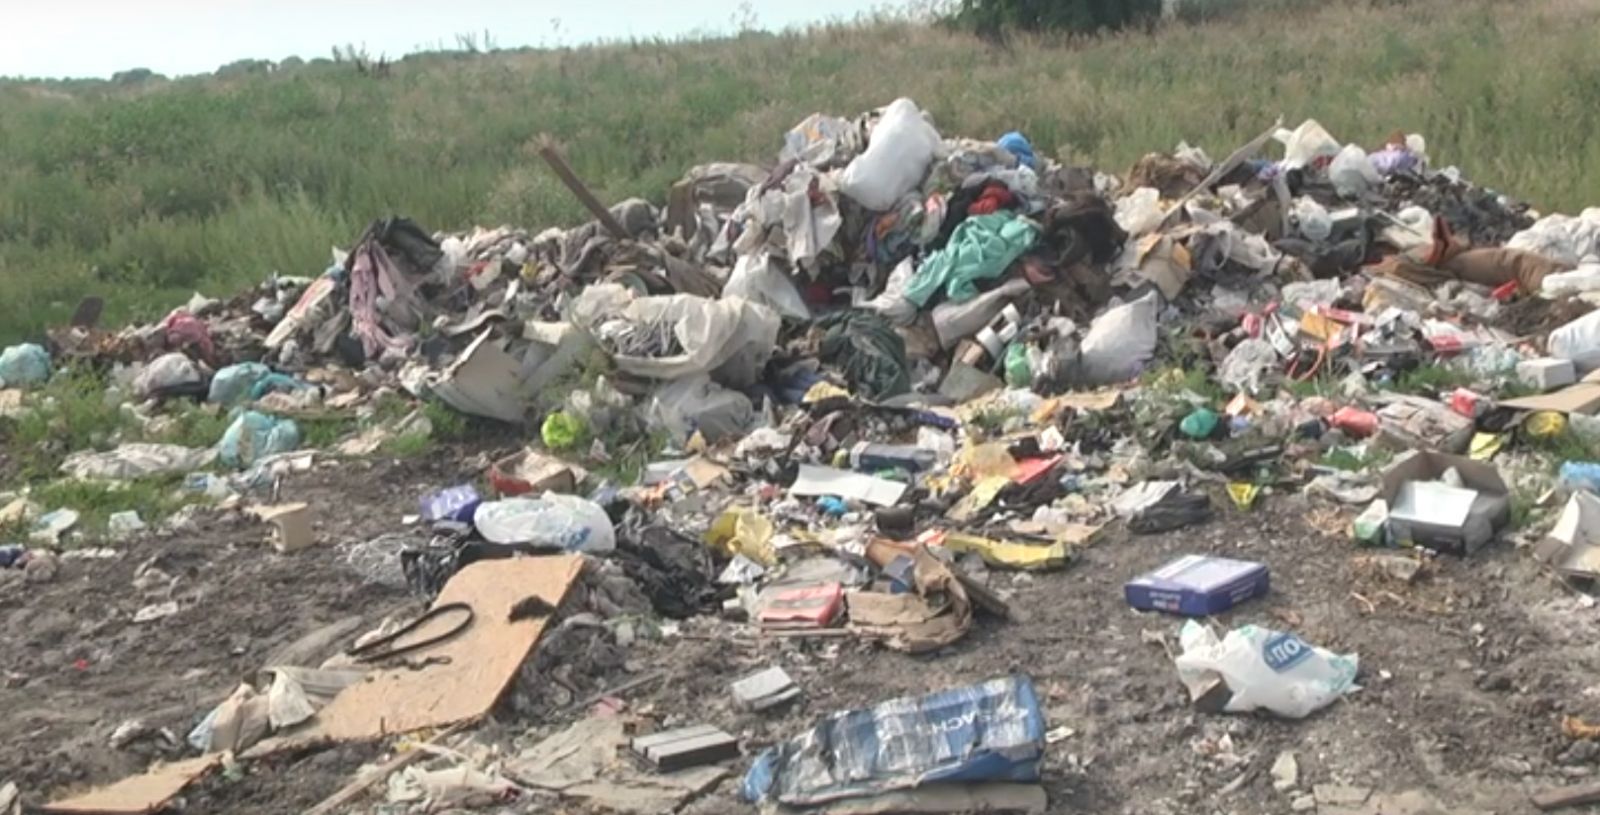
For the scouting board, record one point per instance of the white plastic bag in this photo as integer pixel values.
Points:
(1352, 172)
(1306, 144)
(1578, 341)
(1120, 341)
(892, 303)
(1584, 278)
(1561, 237)
(1265, 669)
(757, 279)
(1315, 223)
(898, 154)
(1246, 365)
(1139, 212)
(166, 371)
(558, 521)
(696, 403)
(731, 338)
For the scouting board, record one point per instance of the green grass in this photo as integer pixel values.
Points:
(1357, 459)
(408, 445)
(143, 192)
(1432, 380)
(72, 412)
(153, 498)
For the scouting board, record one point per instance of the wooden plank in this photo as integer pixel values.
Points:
(1568, 797)
(563, 171)
(140, 794)
(484, 659)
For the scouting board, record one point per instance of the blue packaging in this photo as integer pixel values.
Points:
(1198, 586)
(992, 731)
(451, 504)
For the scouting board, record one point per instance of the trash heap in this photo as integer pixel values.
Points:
(865, 375)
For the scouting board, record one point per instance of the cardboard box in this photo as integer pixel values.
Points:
(1198, 586)
(1454, 520)
(1573, 545)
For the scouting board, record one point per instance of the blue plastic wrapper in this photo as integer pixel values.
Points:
(451, 504)
(992, 731)
(254, 436)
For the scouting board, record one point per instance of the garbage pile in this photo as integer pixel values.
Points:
(862, 378)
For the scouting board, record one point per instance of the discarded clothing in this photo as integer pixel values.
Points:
(383, 304)
(1447, 258)
(982, 248)
(868, 349)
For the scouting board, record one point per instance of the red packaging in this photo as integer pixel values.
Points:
(1468, 404)
(1355, 421)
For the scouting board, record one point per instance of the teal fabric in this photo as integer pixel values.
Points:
(981, 248)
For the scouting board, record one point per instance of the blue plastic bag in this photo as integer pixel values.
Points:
(233, 384)
(254, 436)
(24, 365)
(993, 731)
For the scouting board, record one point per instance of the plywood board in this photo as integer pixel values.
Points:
(483, 659)
(139, 794)
(1583, 397)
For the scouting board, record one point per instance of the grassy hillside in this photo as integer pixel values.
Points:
(142, 193)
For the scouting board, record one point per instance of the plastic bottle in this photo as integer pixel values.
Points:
(552, 520)
(1580, 475)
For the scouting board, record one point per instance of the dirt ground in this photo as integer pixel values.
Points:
(1465, 675)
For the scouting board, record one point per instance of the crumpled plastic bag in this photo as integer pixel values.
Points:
(164, 373)
(1305, 144)
(136, 460)
(821, 141)
(757, 279)
(1120, 342)
(24, 365)
(1245, 368)
(1139, 212)
(451, 788)
(234, 383)
(1352, 172)
(254, 436)
(1265, 669)
(1562, 238)
(552, 520)
(696, 404)
(730, 338)
(899, 152)
(1578, 341)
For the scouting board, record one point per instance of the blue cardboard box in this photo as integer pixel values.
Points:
(1197, 586)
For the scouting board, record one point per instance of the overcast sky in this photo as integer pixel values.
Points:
(96, 38)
